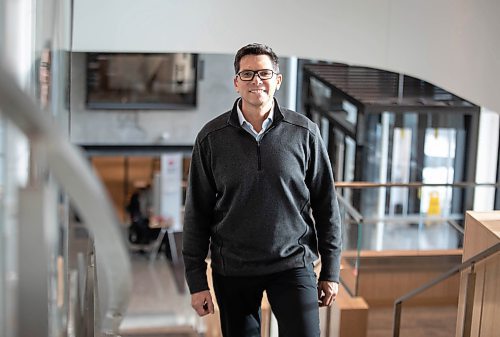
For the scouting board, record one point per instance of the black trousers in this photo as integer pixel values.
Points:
(293, 296)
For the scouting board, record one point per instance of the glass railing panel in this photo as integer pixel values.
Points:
(419, 234)
(3, 250)
(351, 231)
(383, 243)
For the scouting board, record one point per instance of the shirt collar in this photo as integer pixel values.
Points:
(242, 118)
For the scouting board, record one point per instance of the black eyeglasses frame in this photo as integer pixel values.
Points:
(256, 72)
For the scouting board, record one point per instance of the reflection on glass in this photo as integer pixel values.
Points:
(400, 170)
(414, 235)
(439, 161)
(352, 112)
(320, 93)
(3, 250)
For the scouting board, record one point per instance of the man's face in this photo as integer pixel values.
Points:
(257, 93)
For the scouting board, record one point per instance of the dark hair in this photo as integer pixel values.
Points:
(255, 49)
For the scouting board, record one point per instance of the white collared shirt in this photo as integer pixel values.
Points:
(249, 127)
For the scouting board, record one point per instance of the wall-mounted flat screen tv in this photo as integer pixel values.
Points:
(141, 81)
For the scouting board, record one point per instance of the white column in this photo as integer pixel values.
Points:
(19, 48)
(36, 230)
(171, 189)
(487, 159)
(384, 157)
(16, 55)
(292, 83)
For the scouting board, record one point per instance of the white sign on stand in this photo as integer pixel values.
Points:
(171, 190)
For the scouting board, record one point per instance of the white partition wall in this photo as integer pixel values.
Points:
(487, 159)
(450, 43)
(171, 190)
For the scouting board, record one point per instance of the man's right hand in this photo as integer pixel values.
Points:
(202, 302)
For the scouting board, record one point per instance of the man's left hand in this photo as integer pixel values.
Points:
(327, 293)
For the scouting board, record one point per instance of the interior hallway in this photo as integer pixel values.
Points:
(160, 306)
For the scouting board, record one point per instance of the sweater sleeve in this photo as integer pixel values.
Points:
(325, 209)
(200, 200)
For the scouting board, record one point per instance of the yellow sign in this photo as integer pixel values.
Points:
(434, 206)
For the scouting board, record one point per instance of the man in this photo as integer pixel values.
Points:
(257, 172)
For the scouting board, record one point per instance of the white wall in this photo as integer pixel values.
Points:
(451, 43)
(487, 159)
(2, 29)
(216, 95)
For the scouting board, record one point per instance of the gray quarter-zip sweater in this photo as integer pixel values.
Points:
(251, 201)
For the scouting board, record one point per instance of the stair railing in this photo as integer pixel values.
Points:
(72, 171)
(469, 297)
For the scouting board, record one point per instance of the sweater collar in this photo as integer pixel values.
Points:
(242, 119)
(234, 120)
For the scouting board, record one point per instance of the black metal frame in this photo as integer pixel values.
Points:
(116, 105)
(133, 150)
(374, 91)
(497, 190)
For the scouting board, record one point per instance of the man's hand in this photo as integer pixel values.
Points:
(327, 292)
(202, 303)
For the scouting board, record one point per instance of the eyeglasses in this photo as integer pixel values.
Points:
(248, 75)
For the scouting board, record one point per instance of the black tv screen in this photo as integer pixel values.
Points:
(141, 81)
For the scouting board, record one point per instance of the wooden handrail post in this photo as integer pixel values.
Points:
(328, 318)
(397, 319)
(469, 303)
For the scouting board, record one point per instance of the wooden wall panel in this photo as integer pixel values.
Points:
(482, 230)
(385, 276)
(490, 322)
(480, 234)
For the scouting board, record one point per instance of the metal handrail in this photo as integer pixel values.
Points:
(455, 225)
(414, 184)
(350, 209)
(358, 218)
(74, 174)
(415, 217)
(398, 303)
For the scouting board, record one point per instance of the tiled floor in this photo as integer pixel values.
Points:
(158, 309)
(160, 305)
